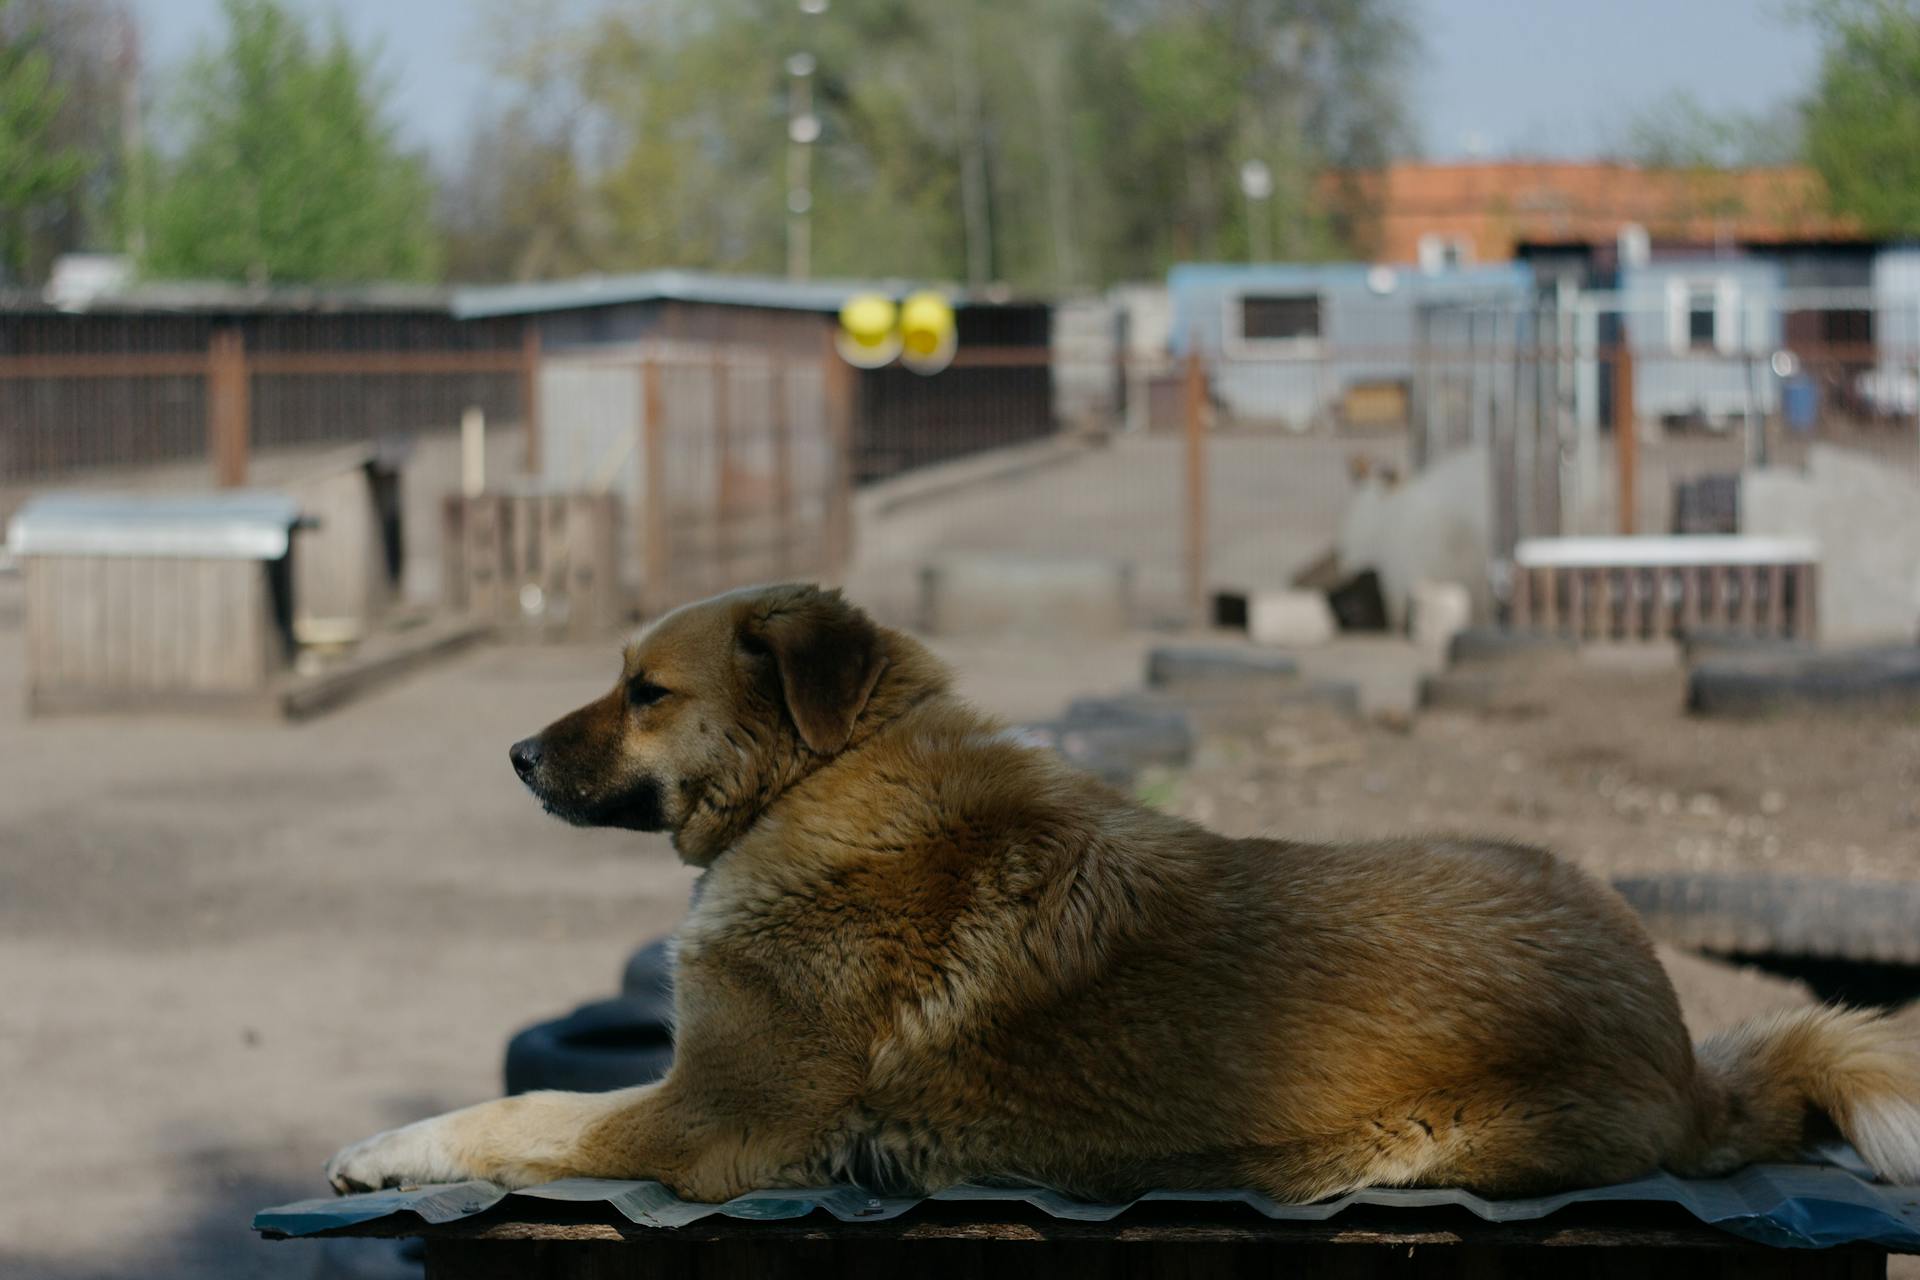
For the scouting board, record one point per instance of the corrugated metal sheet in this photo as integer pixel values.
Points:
(674, 286)
(239, 525)
(1792, 1206)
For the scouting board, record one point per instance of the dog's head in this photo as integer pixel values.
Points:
(720, 706)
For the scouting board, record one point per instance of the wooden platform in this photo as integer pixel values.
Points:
(529, 1240)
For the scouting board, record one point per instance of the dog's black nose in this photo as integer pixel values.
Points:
(525, 755)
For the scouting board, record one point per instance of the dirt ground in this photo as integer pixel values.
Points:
(1600, 764)
(230, 947)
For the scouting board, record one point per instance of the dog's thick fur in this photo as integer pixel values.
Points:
(922, 953)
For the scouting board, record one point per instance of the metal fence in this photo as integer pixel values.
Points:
(83, 393)
(1616, 412)
(732, 465)
(1230, 469)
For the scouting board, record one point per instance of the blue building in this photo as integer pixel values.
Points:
(1296, 346)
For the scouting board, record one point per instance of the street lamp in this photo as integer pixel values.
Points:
(803, 130)
(1256, 183)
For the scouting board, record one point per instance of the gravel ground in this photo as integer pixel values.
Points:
(1599, 764)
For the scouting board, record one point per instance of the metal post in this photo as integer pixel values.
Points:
(1196, 461)
(229, 414)
(781, 421)
(654, 556)
(724, 500)
(803, 129)
(838, 393)
(530, 393)
(1626, 437)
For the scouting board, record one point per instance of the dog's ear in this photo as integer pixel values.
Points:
(829, 658)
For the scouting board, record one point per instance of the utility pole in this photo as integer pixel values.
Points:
(1256, 183)
(973, 161)
(133, 147)
(803, 130)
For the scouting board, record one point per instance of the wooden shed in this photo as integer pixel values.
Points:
(150, 600)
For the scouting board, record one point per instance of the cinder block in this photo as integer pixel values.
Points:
(1025, 595)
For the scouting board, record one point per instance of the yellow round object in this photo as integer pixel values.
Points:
(926, 325)
(867, 321)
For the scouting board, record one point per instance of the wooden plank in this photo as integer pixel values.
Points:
(1749, 607)
(229, 412)
(453, 553)
(1776, 599)
(374, 363)
(131, 364)
(1523, 619)
(1576, 580)
(487, 562)
(40, 621)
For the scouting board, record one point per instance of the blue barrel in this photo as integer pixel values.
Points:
(1800, 402)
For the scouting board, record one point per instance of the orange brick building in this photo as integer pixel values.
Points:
(1441, 214)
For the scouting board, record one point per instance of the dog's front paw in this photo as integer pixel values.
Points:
(401, 1157)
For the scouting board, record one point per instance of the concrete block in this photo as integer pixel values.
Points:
(1865, 516)
(1290, 618)
(1180, 666)
(1025, 595)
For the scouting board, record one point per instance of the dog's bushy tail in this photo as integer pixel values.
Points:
(1760, 1084)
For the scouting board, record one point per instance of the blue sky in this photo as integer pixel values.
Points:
(1535, 77)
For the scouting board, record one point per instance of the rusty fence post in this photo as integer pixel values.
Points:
(1196, 496)
(837, 398)
(725, 500)
(781, 424)
(229, 411)
(1626, 439)
(655, 561)
(530, 393)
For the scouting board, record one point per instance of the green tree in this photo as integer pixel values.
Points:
(1680, 132)
(1863, 123)
(1049, 144)
(289, 170)
(35, 170)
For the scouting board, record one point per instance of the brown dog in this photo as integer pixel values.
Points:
(922, 953)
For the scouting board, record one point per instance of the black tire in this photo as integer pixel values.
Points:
(609, 1044)
(1182, 666)
(1760, 684)
(1114, 739)
(1489, 644)
(1757, 914)
(649, 973)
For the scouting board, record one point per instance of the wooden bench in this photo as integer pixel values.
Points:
(1655, 587)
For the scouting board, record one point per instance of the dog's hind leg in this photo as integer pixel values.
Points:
(1492, 1139)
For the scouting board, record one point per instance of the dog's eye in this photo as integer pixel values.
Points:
(642, 692)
